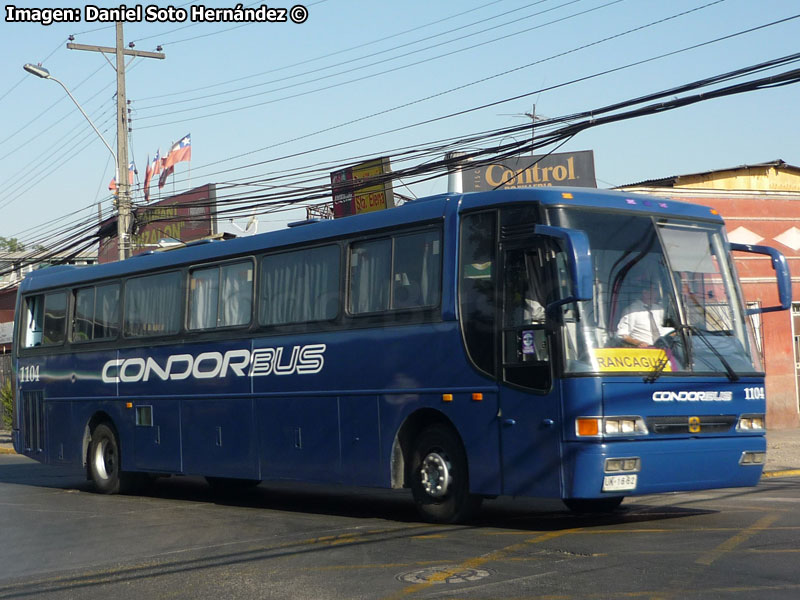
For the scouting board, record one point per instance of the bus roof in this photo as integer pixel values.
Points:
(423, 210)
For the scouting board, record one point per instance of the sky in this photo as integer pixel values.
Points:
(359, 78)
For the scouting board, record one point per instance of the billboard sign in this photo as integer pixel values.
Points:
(353, 194)
(566, 168)
(185, 217)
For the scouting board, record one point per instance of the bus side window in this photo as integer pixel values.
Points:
(55, 318)
(34, 321)
(478, 305)
(96, 313)
(416, 268)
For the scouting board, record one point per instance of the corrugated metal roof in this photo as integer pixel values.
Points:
(673, 179)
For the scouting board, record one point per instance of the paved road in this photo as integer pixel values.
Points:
(181, 541)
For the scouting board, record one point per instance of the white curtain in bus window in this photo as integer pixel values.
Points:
(370, 276)
(236, 295)
(226, 304)
(204, 298)
(106, 312)
(300, 286)
(153, 305)
(55, 318)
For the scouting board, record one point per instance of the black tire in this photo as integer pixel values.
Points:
(440, 478)
(593, 506)
(104, 462)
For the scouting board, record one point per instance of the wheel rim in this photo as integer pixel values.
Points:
(105, 459)
(435, 475)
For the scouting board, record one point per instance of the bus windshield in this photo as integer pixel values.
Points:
(665, 300)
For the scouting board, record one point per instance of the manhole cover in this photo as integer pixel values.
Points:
(444, 574)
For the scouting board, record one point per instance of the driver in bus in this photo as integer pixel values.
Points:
(642, 323)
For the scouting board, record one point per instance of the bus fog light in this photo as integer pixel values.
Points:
(630, 464)
(626, 465)
(753, 458)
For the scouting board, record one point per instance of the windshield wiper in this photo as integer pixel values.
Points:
(657, 370)
(732, 375)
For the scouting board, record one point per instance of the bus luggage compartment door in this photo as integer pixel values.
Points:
(157, 439)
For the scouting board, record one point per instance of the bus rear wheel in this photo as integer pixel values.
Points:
(439, 478)
(104, 462)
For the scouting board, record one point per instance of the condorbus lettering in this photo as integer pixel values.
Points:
(311, 359)
(206, 357)
(302, 360)
(124, 372)
(236, 367)
(106, 374)
(692, 396)
(286, 369)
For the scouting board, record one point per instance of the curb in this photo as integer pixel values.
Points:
(784, 473)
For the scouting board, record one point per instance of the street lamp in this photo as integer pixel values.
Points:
(122, 233)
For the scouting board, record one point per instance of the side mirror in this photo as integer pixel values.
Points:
(579, 255)
(781, 268)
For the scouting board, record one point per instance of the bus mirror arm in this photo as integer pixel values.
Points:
(781, 268)
(579, 255)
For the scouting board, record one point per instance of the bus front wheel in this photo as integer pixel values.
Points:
(104, 461)
(439, 480)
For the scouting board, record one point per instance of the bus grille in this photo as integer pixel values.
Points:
(678, 425)
(32, 421)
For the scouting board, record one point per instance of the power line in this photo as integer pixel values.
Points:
(423, 172)
(465, 111)
(371, 75)
(324, 56)
(358, 59)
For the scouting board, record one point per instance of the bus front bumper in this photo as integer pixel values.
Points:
(664, 465)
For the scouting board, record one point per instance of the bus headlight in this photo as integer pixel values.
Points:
(624, 426)
(610, 426)
(750, 423)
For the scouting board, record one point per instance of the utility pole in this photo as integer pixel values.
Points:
(123, 186)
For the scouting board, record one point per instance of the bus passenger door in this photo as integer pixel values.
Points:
(529, 412)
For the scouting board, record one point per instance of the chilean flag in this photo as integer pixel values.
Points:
(152, 168)
(181, 151)
(112, 186)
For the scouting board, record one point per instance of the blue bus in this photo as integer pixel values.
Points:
(549, 342)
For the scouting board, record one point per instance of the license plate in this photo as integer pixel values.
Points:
(617, 483)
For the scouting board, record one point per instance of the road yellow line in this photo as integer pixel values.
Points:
(474, 563)
(738, 539)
